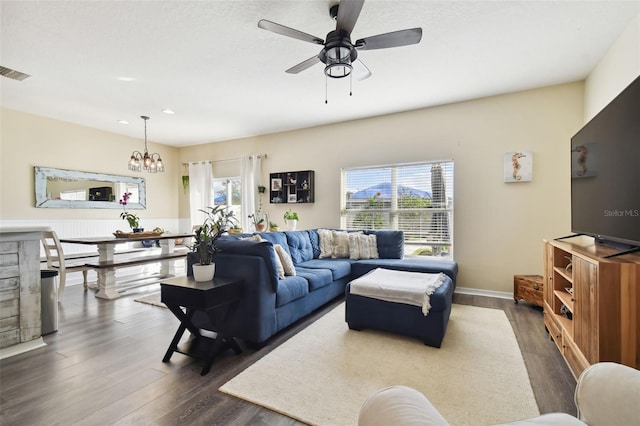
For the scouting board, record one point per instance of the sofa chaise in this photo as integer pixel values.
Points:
(273, 301)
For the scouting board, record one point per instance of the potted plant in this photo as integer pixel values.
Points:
(291, 220)
(218, 221)
(273, 227)
(260, 221)
(132, 219)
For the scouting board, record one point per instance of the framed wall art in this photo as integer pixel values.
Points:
(518, 166)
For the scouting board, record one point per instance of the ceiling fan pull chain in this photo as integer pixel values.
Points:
(325, 90)
(350, 84)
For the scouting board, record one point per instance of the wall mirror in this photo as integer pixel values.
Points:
(72, 189)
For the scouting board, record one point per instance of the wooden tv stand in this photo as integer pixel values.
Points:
(592, 303)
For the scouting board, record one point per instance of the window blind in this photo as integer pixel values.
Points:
(416, 198)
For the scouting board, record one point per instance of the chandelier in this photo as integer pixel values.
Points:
(151, 163)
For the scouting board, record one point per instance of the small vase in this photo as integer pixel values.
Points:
(203, 272)
(292, 224)
(137, 230)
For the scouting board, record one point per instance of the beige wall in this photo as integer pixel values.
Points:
(499, 227)
(28, 140)
(615, 71)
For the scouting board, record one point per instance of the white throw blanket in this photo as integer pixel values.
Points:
(412, 288)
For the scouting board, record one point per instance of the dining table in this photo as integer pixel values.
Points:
(107, 262)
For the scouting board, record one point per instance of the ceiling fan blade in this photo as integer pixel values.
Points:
(303, 65)
(360, 70)
(393, 39)
(348, 12)
(289, 32)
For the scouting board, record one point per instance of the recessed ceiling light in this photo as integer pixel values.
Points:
(126, 79)
(123, 122)
(168, 111)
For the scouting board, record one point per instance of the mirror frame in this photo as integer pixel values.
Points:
(43, 173)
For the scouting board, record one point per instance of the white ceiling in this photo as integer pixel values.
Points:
(224, 77)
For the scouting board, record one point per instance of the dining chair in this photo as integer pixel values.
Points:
(56, 261)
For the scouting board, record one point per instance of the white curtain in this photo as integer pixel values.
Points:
(200, 190)
(251, 173)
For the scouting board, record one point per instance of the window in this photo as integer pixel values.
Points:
(416, 198)
(226, 192)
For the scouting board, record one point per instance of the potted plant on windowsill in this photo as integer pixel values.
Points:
(218, 221)
(291, 220)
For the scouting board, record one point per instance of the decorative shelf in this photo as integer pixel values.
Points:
(292, 187)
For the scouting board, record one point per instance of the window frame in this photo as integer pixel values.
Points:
(426, 237)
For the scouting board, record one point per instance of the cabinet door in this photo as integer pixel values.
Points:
(575, 359)
(548, 274)
(585, 286)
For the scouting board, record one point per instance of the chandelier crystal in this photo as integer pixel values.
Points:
(151, 163)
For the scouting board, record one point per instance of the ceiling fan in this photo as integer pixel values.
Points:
(339, 53)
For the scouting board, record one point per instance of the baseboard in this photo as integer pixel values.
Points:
(485, 293)
(22, 348)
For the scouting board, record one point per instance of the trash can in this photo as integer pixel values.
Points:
(49, 301)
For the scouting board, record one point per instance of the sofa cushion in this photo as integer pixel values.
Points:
(262, 249)
(314, 239)
(285, 259)
(299, 246)
(340, 268)
(279, 265)
(276, 238)
(340, 244)
(390, 243)
(325, 238)
(317, 277)
(291, 288)
(363, 246)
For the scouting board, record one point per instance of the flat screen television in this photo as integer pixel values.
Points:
(605, 173)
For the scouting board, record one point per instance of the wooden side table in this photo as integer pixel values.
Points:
(214, 298)
(528, 288)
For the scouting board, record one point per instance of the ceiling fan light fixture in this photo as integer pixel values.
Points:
(338, 59)
(338, 70)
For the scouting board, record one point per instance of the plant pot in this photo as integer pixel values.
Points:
(203, 272)
(292, 224)
(261, 222)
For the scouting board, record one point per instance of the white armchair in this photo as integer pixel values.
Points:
(607, 394)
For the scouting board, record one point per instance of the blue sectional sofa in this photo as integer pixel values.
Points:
(271, 303)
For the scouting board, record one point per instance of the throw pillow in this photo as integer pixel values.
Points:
(287, 263)
(326, 243)
(340, 244)
(279, 264)
(354, 246)
(256, 237)
(362, 246)
(372, 241)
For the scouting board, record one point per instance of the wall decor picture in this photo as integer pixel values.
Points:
(518, 166)
(276, 184)
(292, 198)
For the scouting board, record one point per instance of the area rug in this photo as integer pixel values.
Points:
(323, 374)
(151, 299)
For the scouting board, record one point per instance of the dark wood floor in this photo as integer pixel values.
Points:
(104, 367)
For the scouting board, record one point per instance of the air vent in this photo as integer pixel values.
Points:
(13, 74)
